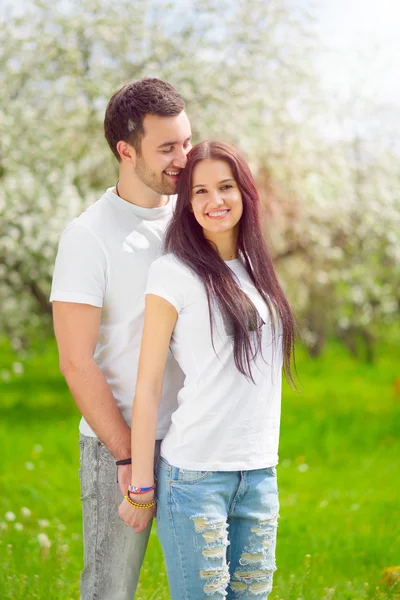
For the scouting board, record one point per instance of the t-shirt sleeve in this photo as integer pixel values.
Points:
(163, 280)
(80, 272)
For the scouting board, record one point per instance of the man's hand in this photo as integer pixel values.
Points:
(124, 477)
(137, 518)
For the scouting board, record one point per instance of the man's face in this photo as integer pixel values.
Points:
(164, 146)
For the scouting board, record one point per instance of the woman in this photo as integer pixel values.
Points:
(215, 300)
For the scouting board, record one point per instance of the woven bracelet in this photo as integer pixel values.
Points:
(124, 461)
(139, 490)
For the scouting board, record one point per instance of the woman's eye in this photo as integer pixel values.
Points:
(226, 186)
(201, 191)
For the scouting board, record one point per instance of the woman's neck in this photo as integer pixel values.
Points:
(225, 243)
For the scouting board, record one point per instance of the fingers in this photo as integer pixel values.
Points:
(137, 520)
(139, 529)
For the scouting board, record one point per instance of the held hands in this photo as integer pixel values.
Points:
(137, 518)
(124, 477)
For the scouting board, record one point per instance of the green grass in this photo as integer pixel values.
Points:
(338, 477)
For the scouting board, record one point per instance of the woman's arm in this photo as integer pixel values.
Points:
(159, 322)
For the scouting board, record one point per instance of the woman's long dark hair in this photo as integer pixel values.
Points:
(186, 240)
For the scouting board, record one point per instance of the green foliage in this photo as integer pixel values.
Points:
(338, 484)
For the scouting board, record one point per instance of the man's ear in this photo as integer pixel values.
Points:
(126, 152)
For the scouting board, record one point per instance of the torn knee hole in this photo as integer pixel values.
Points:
(203, 523)
(265, 526)
(211, 531)
(256, 574)
(261, 587)
(213, 535)
(251, 557)
(214, 552)
(253, 583)
(219, 580)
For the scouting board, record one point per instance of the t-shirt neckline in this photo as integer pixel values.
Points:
(139, 211)
(233, 262)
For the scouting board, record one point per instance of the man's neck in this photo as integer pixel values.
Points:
(135, 192)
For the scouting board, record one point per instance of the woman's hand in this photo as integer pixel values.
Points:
(137, 518)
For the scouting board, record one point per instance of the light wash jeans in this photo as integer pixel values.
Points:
(218, 532)
(113, 552)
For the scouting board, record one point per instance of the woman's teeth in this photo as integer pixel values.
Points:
(220, 213)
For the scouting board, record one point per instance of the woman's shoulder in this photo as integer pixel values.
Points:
(171, 263)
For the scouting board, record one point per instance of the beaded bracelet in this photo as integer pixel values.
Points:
(137, 505)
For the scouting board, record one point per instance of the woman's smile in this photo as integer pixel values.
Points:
(218, 214)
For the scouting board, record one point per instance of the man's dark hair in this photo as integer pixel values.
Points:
(129, 105)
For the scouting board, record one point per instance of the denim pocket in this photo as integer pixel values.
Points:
(186, 476)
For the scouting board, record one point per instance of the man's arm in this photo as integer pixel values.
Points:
(77, 329)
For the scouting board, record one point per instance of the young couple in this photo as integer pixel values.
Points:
(175, 305)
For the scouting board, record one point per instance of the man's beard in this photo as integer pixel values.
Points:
(155, 182)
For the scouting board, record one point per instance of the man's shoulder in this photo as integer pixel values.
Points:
(96, 218)
(96, 214)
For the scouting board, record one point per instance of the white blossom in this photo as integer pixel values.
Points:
(332, 192)
(44, 523)
(9, 516)
(18, 368)
(303, 467)
(44, 540)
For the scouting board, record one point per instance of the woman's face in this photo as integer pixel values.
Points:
(215, 197)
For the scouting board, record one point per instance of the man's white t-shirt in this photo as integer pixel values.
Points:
(103, 260)
(223, 422)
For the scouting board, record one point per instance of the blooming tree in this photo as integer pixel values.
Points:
(246, 72)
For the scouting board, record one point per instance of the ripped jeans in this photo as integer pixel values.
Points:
(218, 532)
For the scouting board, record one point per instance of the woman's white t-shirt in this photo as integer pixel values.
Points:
(223, 422)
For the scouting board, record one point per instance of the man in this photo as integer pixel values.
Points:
(98, 305)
